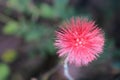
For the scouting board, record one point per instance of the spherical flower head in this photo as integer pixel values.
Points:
(80, 41)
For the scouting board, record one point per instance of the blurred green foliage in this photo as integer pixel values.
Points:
(39, 34)
(4, 71)
(9, 56)
(60, 9)
(20, 5)
(10, 28)
(46, 11)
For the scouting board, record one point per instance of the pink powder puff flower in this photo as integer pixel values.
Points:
(80, 41)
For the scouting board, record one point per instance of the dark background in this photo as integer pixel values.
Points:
(27, 36)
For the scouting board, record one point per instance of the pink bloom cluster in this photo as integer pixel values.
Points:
(80, 41)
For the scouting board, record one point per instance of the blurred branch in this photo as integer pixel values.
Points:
(50, 72)
(4, 18)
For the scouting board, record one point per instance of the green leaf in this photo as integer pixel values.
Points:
(9, 56)
(33, 35)
(46, 41)
(10, 28)
(50, 47)
(60, 4)
(61, 9)
(46, 11)
(20, 5)
(4, 71)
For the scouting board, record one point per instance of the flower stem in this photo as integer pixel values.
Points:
(66, 71)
